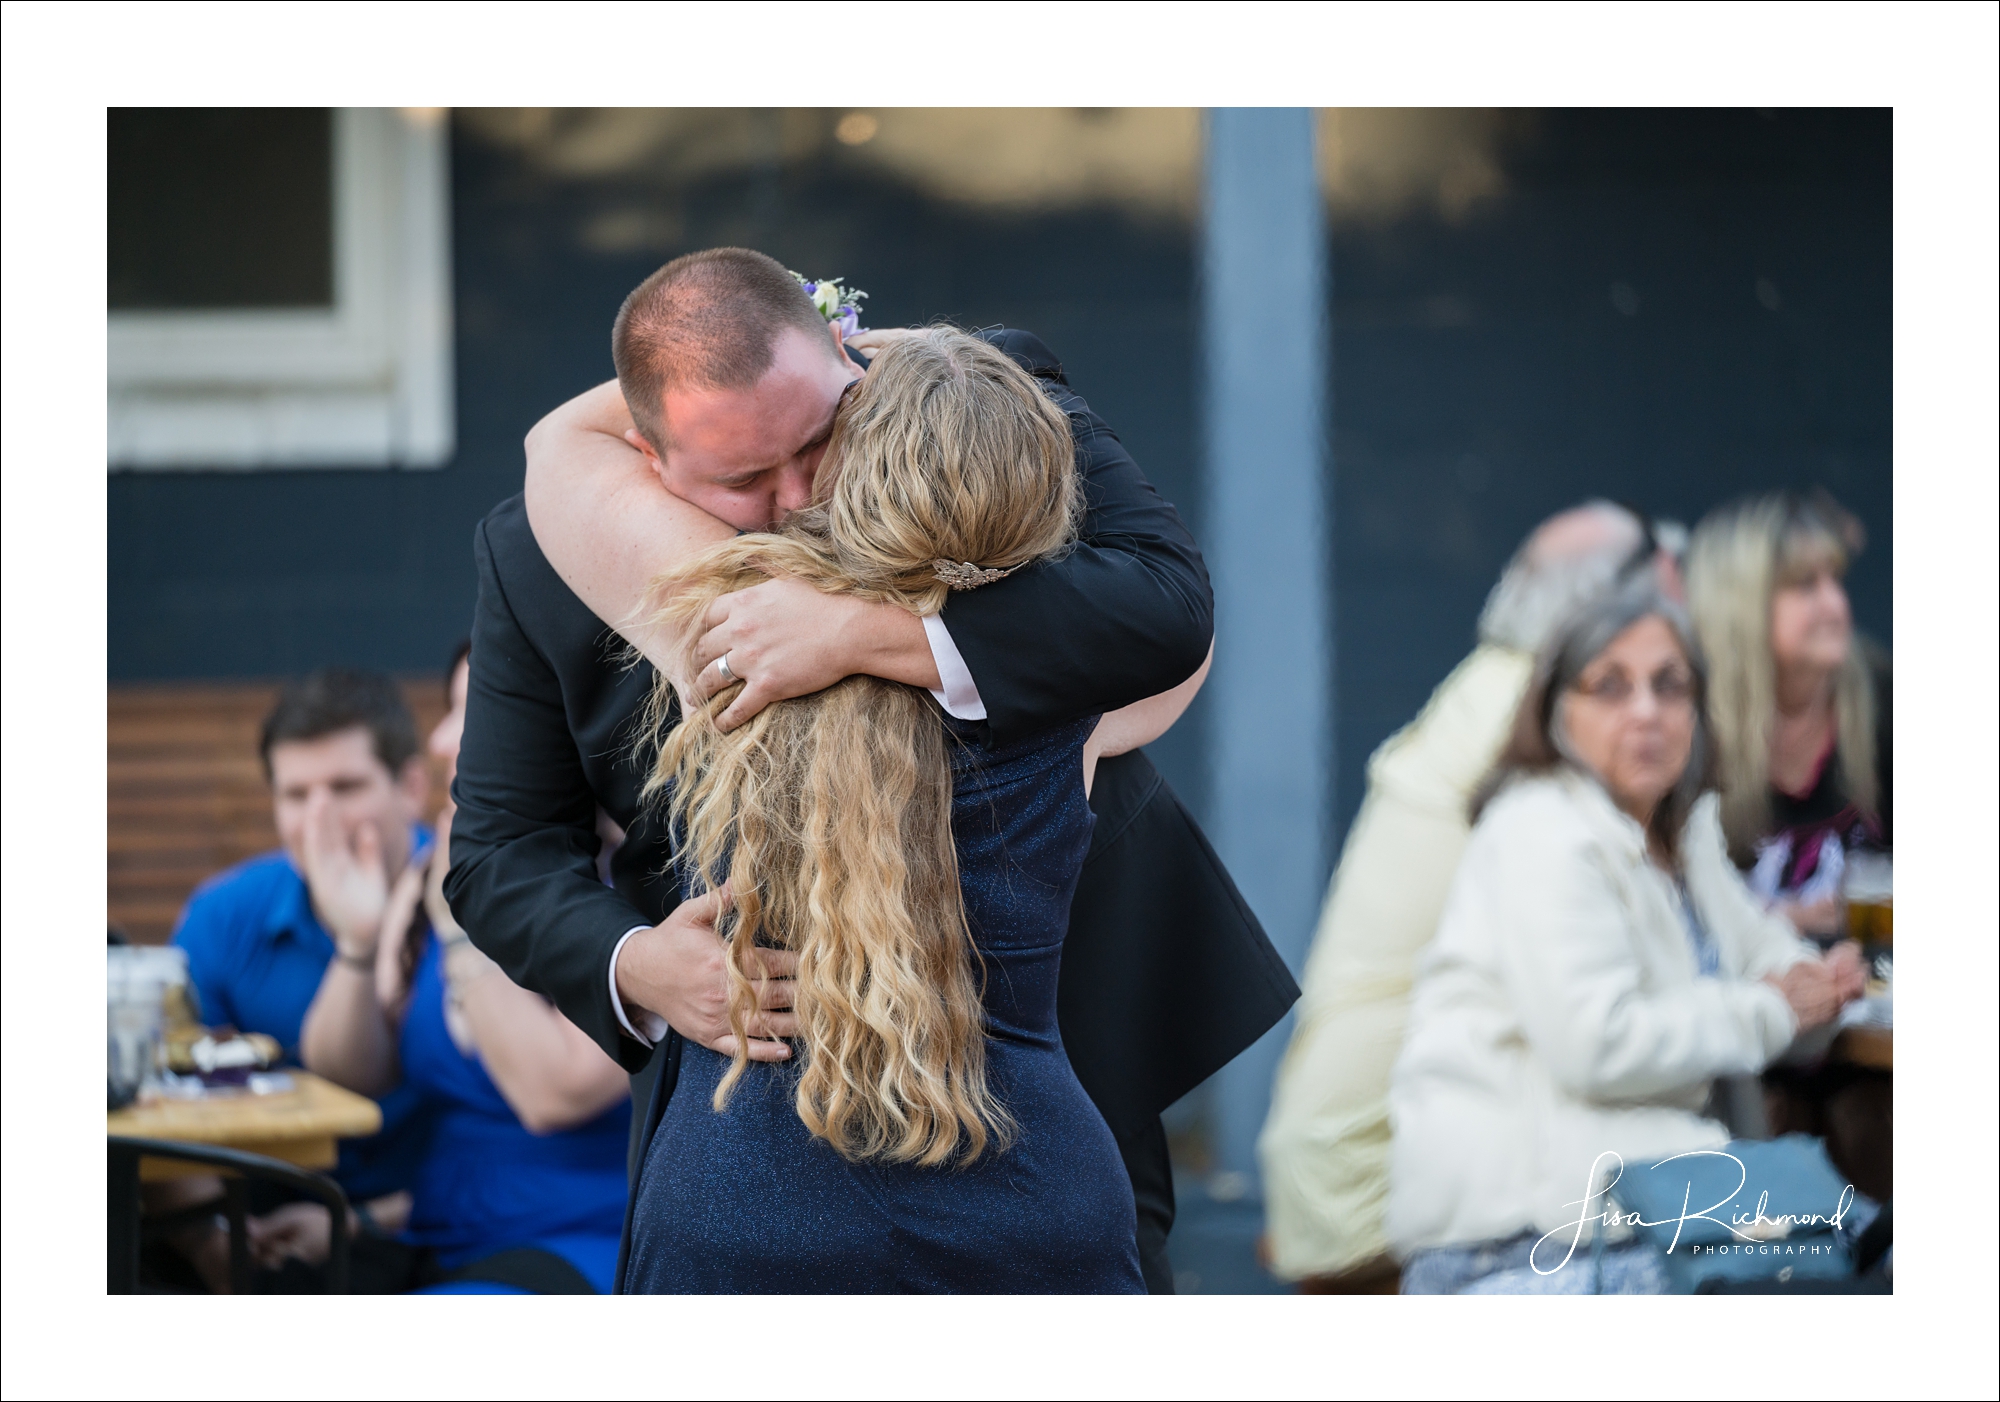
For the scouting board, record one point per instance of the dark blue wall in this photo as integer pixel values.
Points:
(1482, 378)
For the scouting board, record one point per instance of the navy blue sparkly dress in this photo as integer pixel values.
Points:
(747, 1200)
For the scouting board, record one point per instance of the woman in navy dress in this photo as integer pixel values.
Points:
(747, 1200)
(929, 1133)
(522, 1188)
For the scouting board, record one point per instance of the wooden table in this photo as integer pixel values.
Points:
(1873, 1047)
(299, 1126)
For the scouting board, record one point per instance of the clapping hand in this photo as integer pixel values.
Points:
(399, 927)
(1849, 972)
(1817, 989)
(1809, 989)
(347, 878)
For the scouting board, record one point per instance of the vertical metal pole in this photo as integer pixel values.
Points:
(1265, 342)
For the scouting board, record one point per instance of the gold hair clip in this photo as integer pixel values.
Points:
(963, 574)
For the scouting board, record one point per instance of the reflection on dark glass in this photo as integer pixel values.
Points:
(220, 207)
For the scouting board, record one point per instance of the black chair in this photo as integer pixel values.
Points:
(126, 1212)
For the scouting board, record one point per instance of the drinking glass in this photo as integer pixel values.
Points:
(140, 980)
(1869, 885)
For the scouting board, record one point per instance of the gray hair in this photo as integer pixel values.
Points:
(1540, 586)
(1537, 743)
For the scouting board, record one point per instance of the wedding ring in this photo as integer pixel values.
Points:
(729, 678)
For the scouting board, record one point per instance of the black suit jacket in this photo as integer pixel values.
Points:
(1166, 973)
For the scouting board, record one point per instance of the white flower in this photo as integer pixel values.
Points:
(834, 301)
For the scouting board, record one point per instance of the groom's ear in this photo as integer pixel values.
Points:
(840, 346)
(638, 440)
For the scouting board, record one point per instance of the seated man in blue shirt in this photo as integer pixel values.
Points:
(341, 751)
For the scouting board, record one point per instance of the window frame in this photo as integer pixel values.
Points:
(368, 383)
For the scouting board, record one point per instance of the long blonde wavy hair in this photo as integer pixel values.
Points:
(829, 816)
(1738, 558)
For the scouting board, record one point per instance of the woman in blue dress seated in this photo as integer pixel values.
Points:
(928, 1133)
(523, 1186)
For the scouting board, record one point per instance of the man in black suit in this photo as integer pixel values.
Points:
(731, 380)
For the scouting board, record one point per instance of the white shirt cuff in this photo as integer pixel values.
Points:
(960, 698)
(655, 1026)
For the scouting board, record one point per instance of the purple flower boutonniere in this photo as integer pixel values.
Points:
(838, 303)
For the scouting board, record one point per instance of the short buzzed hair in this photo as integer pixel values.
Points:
(707, 320)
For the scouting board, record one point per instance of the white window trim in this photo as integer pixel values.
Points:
(367, 384)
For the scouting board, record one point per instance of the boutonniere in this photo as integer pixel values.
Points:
(837, 302)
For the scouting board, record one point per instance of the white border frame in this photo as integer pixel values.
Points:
(64, 64)
(367, 384)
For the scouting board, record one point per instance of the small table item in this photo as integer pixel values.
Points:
(299, 1126)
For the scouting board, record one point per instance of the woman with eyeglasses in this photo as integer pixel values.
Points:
(1599, 962)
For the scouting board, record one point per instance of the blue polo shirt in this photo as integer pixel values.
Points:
(256, 954)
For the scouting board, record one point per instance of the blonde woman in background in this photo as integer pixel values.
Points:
(1801, 707)
(1802, 719)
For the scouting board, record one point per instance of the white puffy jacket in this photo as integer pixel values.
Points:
(1325, 1147)
(1559, 1014)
